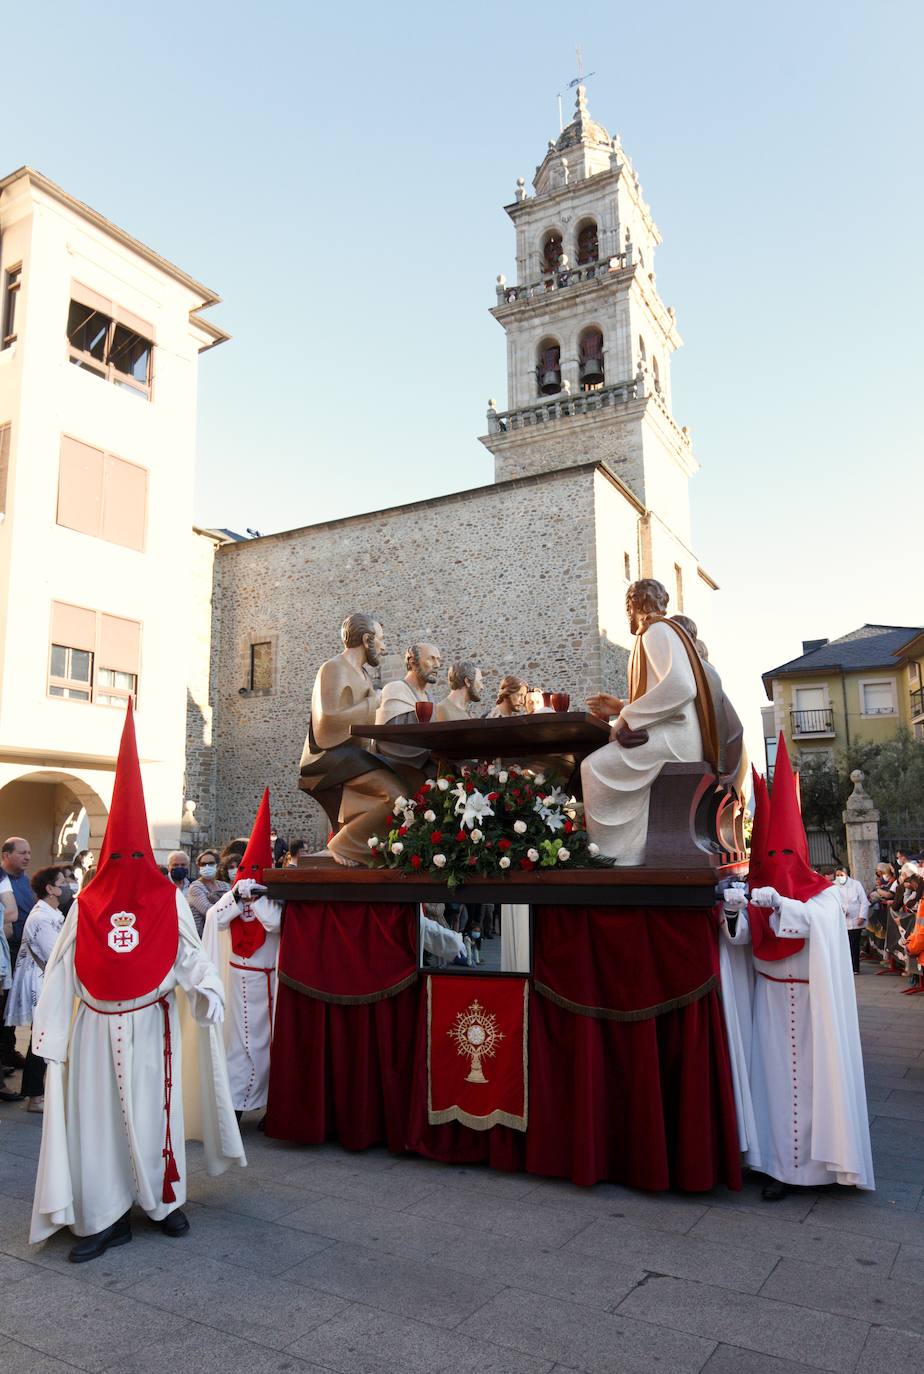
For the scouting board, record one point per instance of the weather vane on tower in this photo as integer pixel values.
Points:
(578, 81)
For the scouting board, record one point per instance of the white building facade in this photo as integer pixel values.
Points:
(98, 381)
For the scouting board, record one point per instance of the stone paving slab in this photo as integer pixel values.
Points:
(372, 1264)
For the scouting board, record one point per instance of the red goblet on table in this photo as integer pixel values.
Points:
(424, 711)
(561, 701)
(547, 699)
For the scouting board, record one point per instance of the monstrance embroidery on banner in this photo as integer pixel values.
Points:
(476, 1035)
(479, 1025)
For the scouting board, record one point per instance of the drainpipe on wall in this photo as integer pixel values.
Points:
(846, 716)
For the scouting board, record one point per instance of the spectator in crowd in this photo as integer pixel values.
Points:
(911, 885)
(511, 698)
(41, 930)
(8, 913)
(278, 846)
(90, 874)
(207, 888)
(178, 869)
(880, 898)
(228, 864)
(855, 906)
(15, 857)
(71, 887)
(290, 859)
(82, 862)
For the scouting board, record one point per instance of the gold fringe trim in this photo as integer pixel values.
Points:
(642, 1014)
(343, 999)
(497, 1117)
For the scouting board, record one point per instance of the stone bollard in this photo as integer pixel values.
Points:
(861, 820)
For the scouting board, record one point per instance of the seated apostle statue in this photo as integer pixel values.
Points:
(669, 718)
(466, 687)
(355, 786)
(398, 706)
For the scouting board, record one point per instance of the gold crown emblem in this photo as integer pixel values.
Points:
(122, 920)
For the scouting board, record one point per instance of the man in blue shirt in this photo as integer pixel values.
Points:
(15, 857)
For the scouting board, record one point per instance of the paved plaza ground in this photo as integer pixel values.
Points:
(317, 1260)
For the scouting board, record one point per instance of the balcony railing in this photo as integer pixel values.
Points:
(917, 702)
(565, 403)
(561, 278)
(817, 722)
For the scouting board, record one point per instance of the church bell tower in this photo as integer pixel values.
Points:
(589, 339)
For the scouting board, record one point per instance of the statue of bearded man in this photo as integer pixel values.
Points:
(669, 718)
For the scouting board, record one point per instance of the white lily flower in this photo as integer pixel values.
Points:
(554, 820)
(520, 827)
(401, 803)
(539, 779)
(477, 807)
(430, 816)
(503, 775)
(439, 860)
(564, 855)
(556, 797)
(505, 862)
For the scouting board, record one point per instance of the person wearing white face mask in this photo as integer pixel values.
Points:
(855, 906)
(42, 928)
(207, 888)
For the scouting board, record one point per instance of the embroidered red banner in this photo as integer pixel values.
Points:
(477, 1051)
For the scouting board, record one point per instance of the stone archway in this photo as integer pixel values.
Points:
(42, 805)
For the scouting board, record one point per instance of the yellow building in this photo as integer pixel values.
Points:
(864, 686)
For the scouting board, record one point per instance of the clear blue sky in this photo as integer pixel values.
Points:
(337, 175)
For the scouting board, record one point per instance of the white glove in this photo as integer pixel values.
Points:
(215, 1011)
(766, 896)
(734, 900)
(243, 889)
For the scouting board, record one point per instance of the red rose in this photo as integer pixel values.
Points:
(472, 862)
(568, 827)
(389, 821)
(402, 829)
(416, 861)
(493, 796)
(461, 836)
(436, 836)
(504, 844)
(469, 787)
(514, 791)
(527, 863)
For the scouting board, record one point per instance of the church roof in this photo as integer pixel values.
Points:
(582, 128)
(871, 646)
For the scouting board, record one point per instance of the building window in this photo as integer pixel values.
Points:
(110, 343)
(552, 251)
(260, 666)
(587, 243)
(5, 431)
(548, 367)
(678, 586)
(627, 566)
(655, 374)
(94, 657)
(12, 284)
(590, 354)
(641, 349)
(102, 495)
(877, 698)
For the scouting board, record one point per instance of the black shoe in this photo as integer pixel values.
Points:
(7, 1096)
(773, 1192)
(175, 1223)
(14, 1060)
(91, 1247)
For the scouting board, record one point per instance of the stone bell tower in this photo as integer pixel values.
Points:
(588, 338)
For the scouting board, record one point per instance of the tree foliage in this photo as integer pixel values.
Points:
(893, 777)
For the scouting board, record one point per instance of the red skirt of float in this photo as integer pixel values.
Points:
(628, 1076)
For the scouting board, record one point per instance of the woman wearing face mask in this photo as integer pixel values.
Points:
(855, 906)
(207, 888)
(43, 925)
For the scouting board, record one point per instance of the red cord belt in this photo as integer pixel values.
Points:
(268, 975)
(171, 1172)
(770, 978)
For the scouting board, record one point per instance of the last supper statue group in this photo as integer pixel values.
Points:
(108, 1020)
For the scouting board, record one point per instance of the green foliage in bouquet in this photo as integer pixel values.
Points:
(484, 819)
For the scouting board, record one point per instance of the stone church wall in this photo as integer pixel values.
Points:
(506, 574)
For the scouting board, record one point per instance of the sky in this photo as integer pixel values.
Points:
(337, 174)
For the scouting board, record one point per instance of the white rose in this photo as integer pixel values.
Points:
(593, 849)
(533, 854)
(539, 779)
(429, 815)
(401, 803)
(477, 836)
(373, 842)
(439, 860)
(492, 769)
(503, 775)
(505, 862)
(443, 784)
(520, 827)
(428, 784)
(564, 855)
(397, 847)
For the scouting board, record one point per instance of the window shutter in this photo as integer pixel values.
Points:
(125, 496)
(80, 486)
(119, 644)
(73, 626)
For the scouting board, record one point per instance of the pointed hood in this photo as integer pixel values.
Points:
(759, 829)
(247, 934)
(786, 866)
(127, 922)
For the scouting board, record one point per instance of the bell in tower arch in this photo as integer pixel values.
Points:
(591, 360)
(549, 370)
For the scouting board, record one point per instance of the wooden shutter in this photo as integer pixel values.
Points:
(80, 487)
(125, 499)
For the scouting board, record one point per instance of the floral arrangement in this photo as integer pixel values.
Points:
(484, 819)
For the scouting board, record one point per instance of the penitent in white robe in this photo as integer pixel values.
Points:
(795, 1050)
(616, 781)
(250, 995)
(104, 1125)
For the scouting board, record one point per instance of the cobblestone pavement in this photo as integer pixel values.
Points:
(317, 1260)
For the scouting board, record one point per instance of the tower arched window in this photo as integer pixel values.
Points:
(641, 349)
(655, 374)
(552, 251)
(590, 353)
(587, 243)
(548, 367)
